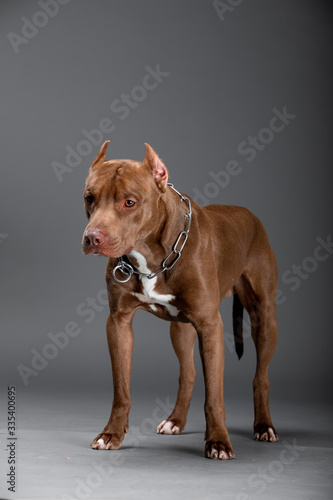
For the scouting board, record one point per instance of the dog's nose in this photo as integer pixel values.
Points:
(94, 237)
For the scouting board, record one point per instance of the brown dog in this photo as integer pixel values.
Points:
(177, 260)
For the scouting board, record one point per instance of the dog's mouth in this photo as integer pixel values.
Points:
(105, 251)
(112, 253)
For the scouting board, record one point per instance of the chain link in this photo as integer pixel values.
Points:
(127, 268)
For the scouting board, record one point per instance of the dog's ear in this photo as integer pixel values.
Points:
(157, 167)
(101, 154)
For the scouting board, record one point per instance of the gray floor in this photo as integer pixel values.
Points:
(55, 461)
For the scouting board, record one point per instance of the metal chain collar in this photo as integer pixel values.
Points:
(127, 268)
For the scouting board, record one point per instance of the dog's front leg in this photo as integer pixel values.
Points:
(120, 342)
(211, 345)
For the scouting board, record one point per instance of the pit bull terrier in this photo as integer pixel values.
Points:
(177, 260)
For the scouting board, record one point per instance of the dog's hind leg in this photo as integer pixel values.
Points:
(183, 337)
(264, 334)
(257, 292)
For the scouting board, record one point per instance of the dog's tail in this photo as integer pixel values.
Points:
(237, 322)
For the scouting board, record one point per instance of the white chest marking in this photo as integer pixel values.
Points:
(149, 296)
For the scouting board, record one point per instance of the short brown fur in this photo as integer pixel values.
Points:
(227, 253)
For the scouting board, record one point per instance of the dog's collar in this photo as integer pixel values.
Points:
(126, 268)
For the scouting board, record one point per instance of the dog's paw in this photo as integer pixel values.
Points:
(105, 441)
(265, 433)
(217, 450)
(168, 427)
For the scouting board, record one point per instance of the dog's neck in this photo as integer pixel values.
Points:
(169, 222)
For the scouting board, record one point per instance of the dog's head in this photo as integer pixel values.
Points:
(121, 202)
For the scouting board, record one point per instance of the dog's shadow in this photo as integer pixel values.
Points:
(303, 437)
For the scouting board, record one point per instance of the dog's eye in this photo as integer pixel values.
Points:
(129, 203)
(89, 199)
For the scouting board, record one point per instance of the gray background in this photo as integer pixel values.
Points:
(225, 78)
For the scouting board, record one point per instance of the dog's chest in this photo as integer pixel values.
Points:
(148, 294)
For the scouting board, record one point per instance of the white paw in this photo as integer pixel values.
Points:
(272, 436)
(213, 453)
(223, 455)
(266, 436)
(101, 444)
(167, 427)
